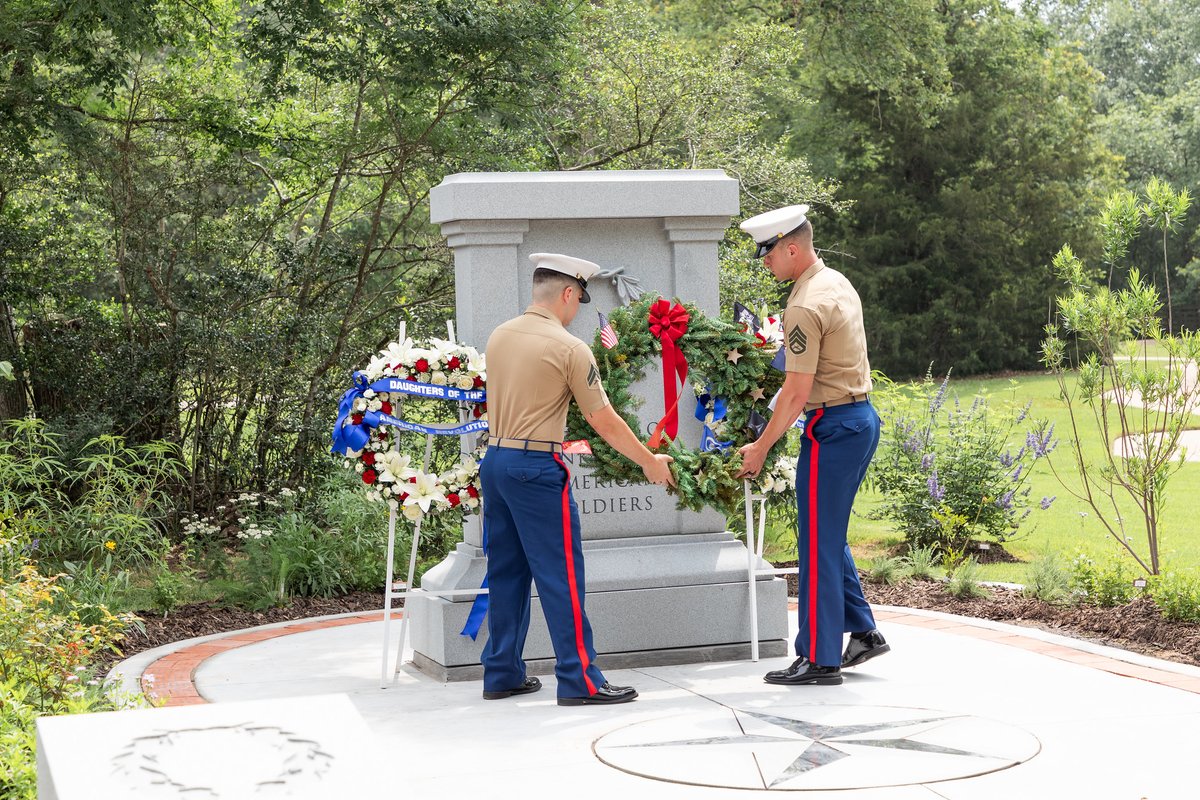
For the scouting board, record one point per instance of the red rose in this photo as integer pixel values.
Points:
(368, 457)
(453, 363)
(356, 419)
(402, 497)
(471, 490)
(368, 476)
(422, 365)
(453, 499)
(478, 381)
(385, 407)
(412, 377)
(479, 409)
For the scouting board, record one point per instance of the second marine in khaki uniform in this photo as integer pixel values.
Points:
(829, 377)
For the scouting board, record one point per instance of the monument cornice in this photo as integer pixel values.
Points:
(597, 194)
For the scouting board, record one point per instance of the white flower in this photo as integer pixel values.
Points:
(772, 331)
(438, 378)
(477, 362)
(442, 350)
(394, 467)
(465, 382)
(399, 353)
(369, 393)
(360, 404)
(471, 502)
(412, 512)
(377, 368)
(425, 492)
(393, 503)
(423, 377)
(374, 405)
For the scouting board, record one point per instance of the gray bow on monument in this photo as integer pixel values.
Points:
(628, 288)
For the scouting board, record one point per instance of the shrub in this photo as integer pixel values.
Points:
(110, 502)
(964, 581)
(1177, 597)
(947, 471)
(922, 563)
(47, 673)
(92, 589)
(1048, 580)
(1108, 583)
(886, 570)
(331, 544)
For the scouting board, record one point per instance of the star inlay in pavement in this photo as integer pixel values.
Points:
(815, 747)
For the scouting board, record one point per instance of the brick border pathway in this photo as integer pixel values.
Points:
(170, 680)
(1061, 652)
(172, 677)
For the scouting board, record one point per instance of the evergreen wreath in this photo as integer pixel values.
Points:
(724, 362)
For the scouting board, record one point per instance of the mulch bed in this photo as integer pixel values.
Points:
(204, 619)
(1137, 626)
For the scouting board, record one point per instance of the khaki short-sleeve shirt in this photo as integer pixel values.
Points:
(534, 368)
(823, 334)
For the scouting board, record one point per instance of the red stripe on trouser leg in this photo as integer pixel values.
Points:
(813, 559)
(569, 552)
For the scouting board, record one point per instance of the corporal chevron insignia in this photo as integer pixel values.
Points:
(797, 341)
(593, 375)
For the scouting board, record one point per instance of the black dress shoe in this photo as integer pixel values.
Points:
(860, 650)
(802, 671)
(605, 695)
(530, 685)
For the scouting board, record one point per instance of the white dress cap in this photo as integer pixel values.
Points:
(767, 229)
(576, 268)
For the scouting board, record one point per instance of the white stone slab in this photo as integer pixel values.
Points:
(305, 747)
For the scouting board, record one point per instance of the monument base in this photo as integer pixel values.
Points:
(646, 597)
(614, 661)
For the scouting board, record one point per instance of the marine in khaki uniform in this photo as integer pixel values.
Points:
(535, 369)
(828, 378)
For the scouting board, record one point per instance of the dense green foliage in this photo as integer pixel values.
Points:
(1148, 109)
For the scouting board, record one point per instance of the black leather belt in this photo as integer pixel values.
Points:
(527, 444)
(845, 401)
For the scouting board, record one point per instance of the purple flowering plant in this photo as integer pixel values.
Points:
(954, 473)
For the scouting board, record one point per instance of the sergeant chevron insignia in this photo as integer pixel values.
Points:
(797, 341)
(593, 375)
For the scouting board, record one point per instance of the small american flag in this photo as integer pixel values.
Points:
(608, 337)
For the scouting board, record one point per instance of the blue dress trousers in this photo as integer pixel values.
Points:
(532, 528)
(838, 444)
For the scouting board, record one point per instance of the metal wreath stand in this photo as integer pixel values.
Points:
(393, 589)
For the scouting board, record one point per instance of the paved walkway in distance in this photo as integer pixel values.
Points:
(1189, 441)
(960, 710)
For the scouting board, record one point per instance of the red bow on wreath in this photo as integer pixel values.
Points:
(669, 322)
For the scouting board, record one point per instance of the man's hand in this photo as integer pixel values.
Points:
(658, 471)
(753, 456)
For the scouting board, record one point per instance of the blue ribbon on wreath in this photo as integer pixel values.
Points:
(479, 607)
(705, 404)
(349, 436)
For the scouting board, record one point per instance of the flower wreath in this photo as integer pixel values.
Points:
(735, 383)
(393, 477)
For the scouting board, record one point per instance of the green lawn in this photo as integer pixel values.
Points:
(1069, 526)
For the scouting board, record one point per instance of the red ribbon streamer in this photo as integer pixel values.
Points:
(668, 322)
